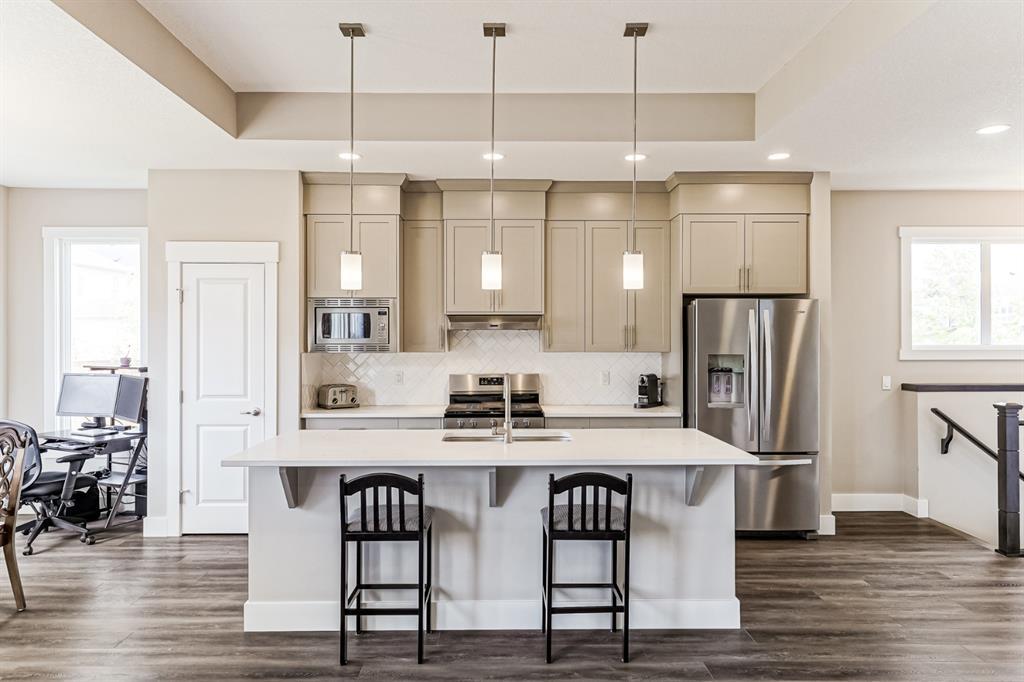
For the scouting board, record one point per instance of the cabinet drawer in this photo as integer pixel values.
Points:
(343, 424)
(419, 423)
(636, 423)
(567, 423)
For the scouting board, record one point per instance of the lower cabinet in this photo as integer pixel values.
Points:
(613, 422)
(372, 423)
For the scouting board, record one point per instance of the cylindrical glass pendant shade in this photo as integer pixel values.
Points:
(351, 270)
(633, 270)
(490, 270)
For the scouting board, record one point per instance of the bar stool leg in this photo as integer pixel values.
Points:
(625, 604)
(430, 580)
(615, 581)
(342, 629)
(550, 570)
(419, 609)
(359, 584)
(543, 580)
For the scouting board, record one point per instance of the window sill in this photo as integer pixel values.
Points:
(1007, 354)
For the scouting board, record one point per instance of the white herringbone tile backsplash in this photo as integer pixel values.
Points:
(566, 378)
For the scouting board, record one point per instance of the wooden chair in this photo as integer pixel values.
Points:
(587, 519)
(14, 441)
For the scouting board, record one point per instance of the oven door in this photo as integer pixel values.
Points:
(346, 325)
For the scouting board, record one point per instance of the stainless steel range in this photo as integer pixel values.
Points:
(476, 401)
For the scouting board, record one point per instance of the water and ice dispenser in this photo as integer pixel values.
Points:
(726, 380)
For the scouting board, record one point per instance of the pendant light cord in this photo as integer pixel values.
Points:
(351, 126)
(633, 246)
(494, 58)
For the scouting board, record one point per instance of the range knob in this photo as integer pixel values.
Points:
(494, 422)
(526, 423)
(515, 423)
(472, 423)
(460, 423)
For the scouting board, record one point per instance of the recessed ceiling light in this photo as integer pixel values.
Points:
(349, 156)
(778, 156)
(635, 157)
(496, 156)
(992, 130)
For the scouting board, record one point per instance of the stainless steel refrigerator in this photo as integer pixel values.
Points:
(752, 380)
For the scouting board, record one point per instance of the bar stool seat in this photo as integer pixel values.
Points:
(412, 518)
(561, 516)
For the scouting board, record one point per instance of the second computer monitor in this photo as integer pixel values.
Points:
(131, 398)
(88, 395)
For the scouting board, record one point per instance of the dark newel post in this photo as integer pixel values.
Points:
(1008, 423)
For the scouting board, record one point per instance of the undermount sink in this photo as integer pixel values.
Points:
(456, 437)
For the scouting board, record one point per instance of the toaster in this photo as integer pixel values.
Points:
(336, 396)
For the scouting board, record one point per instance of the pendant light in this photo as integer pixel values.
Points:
(351, 265)
(490, 260)
(633, 258)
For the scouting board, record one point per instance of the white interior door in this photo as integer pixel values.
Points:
(223, 390)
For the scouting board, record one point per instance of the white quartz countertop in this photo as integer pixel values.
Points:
(437, 411)
(589, 447)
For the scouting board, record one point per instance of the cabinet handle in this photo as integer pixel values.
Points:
(633, 345)
(440, 336)
(739, 278)
(625, 337)
(748, 278)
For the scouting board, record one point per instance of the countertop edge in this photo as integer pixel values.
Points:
(437, 412)
(960, 388)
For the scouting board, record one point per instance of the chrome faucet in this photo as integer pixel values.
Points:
(506, 429)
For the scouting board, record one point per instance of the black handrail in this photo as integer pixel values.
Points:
(952, 426)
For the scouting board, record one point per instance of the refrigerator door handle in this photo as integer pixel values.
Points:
(751, 370)
(766, 415)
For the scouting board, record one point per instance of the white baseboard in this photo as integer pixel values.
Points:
(859, 502)
(320, 616)
(155, 527)
(826, 524)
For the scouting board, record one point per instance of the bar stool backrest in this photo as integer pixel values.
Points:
(395, 487)
(601, 487)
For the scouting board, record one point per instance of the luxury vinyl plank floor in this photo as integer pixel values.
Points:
(889, 598)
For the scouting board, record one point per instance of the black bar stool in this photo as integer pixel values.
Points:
(593, 518)
(378, 521)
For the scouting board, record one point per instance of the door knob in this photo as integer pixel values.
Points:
(254, 412)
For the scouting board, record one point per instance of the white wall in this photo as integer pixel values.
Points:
(223, 206)
(28, 211)
(871, 428)
(3, 301)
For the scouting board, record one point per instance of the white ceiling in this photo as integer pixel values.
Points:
(76, 113)
(551, 46)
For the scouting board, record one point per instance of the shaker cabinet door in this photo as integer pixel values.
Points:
(649, 315)
(521, 243)
(565, 282)
(326, 237)
(465, 242)
(605, 297)
(376, 237)
(422, 303)
(713, 258)
(776, 254)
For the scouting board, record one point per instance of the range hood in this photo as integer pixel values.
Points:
(494, 322)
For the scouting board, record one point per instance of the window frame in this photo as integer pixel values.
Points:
(983, 235)
(55, 312)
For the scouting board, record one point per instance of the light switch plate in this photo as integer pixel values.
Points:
(606, 377)
(399, 378)
(886, 383)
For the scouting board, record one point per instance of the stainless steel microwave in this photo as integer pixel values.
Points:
(352, 325)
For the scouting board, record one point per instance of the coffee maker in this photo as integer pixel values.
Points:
(648, 391)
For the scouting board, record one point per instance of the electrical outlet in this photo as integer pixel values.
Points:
(399, 378)
(606, 378)
(886, 382)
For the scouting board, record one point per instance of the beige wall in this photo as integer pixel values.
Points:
(871, 426)
(28, 212)
(3, 301)
(223, 206)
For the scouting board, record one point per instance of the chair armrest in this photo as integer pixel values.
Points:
(80, 456)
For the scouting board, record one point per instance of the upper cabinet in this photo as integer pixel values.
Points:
(565, 285)
(521, 243)
(649, 311)
(423, 328)
(605, 317)
(756, 254)
(375, 236)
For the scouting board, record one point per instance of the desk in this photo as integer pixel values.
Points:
(109, 445)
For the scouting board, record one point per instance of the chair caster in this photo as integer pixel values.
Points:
(87, 539)
(27, 552)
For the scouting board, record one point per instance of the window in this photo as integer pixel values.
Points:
(95, 303)
(962, 293)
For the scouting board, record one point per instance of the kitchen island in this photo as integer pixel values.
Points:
(487, 498)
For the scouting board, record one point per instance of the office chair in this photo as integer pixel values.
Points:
(13, 444)
(50, 493)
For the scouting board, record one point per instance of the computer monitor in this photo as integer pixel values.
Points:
(88, 395)
(131, 398)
